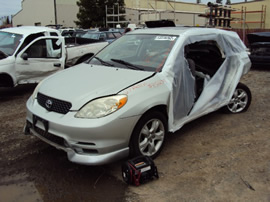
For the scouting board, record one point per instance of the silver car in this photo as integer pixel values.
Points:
(125, 99)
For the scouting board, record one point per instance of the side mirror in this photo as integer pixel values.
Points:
(25, 56)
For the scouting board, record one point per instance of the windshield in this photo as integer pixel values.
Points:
(141, 52)
(9, 42)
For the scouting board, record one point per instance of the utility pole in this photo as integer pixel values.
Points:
(55, 12)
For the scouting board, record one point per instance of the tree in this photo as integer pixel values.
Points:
(93, 13)
(7, 20)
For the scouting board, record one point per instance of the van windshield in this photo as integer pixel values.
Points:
(142, 51)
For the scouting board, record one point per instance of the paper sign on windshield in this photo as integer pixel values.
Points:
(165, 38)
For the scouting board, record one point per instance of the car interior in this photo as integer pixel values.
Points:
(204, 59)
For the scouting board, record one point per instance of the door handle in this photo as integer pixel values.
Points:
(57, 64)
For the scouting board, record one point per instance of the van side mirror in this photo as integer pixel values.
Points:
(25, 56)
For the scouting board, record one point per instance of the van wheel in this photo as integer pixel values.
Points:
(149, 135)
(240, 100)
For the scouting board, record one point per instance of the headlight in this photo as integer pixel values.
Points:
(102, 107)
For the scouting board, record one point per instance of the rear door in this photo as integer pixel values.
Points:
(41, 58)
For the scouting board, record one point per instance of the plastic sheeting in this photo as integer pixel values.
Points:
(217, 91)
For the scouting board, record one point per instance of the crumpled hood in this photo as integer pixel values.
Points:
(82, 83)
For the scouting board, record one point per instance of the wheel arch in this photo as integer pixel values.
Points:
(6, 80)
(245, 88)
(162, 108)
(159, 108)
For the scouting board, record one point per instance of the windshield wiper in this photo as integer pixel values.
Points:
(127, 64)
(103, 62)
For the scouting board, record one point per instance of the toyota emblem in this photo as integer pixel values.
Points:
(48, 104)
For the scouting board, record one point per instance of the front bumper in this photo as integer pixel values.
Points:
(73, 156)
(86, 141)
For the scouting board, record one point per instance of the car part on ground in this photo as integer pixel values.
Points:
(159, 23)
(139, 170)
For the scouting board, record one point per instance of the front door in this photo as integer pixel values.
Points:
(41, 58)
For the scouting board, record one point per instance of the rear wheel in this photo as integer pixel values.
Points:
(240, 100)
(149, 135)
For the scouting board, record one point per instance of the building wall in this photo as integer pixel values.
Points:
(67, 12)
(251, 17)
(35, 12)
(167, 5)
(181, 13)
(187, 19)
(132, 16)
(41, 12)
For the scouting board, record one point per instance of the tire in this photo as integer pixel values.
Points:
(240, 100)
(147, 139)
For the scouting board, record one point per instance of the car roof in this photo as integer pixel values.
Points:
(181, 31)
(114, 31)
(26, 30)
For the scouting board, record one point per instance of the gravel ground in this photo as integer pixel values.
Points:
(219, 157)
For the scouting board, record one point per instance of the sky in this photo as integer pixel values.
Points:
(11, 7)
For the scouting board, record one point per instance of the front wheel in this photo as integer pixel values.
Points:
(149, 135)
(240, 100)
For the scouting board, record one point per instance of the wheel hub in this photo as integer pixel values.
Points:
(238, 102)
(151, 137)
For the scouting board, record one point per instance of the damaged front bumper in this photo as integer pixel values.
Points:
(77, 152)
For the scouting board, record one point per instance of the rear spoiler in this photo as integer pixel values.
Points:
(258, 37)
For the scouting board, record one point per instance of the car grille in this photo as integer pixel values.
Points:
(50, 137)
(52, 104)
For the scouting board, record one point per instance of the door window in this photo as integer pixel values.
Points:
(45, 48)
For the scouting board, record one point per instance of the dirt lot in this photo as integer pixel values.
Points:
(219, 157)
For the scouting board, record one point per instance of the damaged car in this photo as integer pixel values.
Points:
(125, 99)
(259, 43)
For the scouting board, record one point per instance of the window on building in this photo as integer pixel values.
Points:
(37, 23)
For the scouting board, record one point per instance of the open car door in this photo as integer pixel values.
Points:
(41, 58)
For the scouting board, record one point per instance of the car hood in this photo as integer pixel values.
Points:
(82, 83)
(6, 60)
